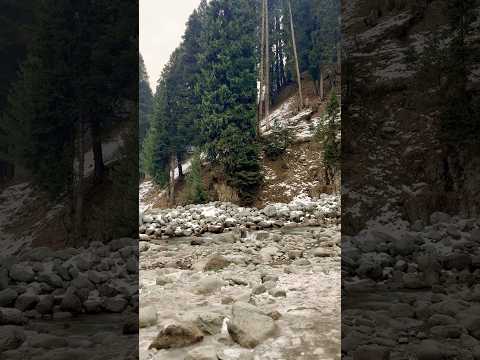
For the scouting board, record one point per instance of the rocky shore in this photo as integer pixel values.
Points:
(413, 294)
(245, 292)
(44, 292)
(217, 217)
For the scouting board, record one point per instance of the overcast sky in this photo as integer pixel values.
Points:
(162, 24)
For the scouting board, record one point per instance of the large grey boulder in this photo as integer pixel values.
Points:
(249, 326)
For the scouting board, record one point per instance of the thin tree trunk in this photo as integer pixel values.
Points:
(267, 65)
(179, 167)
(78, 185)
(99, 170)
(262, 69)
(322, 93)
(297, 68)
(173, 158)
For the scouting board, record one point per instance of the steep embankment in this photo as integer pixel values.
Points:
(394, 163)
(28, 217)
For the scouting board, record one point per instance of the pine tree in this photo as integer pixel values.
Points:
(195, 191)
(227, 86)
(145, 97)
(461, 118)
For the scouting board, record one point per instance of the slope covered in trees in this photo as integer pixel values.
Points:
(68, 96)
(207, 96)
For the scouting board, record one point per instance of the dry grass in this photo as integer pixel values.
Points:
(226, 193)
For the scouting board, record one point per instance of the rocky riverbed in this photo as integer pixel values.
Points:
(243, 290)
(413, 293)
(70, 302)
(217, 217)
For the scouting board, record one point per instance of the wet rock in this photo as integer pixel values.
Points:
(26, 301)
(11, 337)
(115, 304)
(177, 335)
(22, 273)
(51, 279)
(249, 326)
(3, 279)
(7, 297)
(45, 304)
(71, 302)
(93, 305)
(12, 317)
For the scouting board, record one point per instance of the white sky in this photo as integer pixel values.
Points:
(162, 24)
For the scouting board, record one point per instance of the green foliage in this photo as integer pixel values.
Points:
(68, 79)
(227, 87)
(195, 191)
(145, 99)
(276, 143)
(327, 133)
(460, 120)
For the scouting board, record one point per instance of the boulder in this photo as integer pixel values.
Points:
(71, 302)
(51, 279)
(26, 301)
(22, 273)
(115, 304)
(147, 316)
(11, 337)
(45, 304)
(208, 284)
(249, 326)
(7, 297)
(12, 317)
(210, 322)
(177, 335)
(216, 262)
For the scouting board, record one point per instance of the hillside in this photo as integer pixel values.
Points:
(298, 171)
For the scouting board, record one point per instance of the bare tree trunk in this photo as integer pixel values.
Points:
(294, 44)
(262, 69)
(267, 65)
(179, 166)
(339, 68)
(78, 183)
(173, 166)
(99, 170)
(322, 91)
